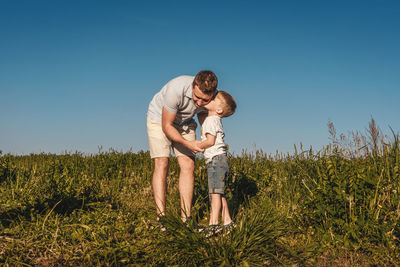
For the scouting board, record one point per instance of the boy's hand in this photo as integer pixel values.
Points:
(209, 142)
(194, 146)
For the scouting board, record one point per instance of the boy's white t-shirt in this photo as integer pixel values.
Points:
(213, 125)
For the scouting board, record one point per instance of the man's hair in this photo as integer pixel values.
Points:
(207, 81)
(228, 103)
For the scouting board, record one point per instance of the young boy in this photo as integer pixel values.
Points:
(212, 136)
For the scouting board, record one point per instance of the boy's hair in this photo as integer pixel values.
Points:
(207, 81)
(228, 103)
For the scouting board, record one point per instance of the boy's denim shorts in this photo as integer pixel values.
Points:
(217, 170)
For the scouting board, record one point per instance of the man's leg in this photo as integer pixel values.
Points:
(160, 147)
(160, 183)
(186, 184)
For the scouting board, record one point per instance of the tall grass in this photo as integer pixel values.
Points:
(337, 206)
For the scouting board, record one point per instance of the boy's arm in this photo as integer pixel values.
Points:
(209, 142)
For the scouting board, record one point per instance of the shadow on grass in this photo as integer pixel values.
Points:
(61, 205)
(240, 190)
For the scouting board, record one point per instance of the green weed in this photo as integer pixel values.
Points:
(337, 206)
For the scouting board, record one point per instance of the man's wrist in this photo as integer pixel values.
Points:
(185, 142)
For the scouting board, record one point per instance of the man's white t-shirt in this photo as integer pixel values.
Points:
(213, 125)
(176, 97)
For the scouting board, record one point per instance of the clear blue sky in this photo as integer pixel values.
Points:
(75, 75)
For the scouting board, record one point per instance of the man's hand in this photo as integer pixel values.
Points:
(172, 133)
(194, 146)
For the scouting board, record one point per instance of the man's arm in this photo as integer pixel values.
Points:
(172, 133)
(202, 116)
(209, 142)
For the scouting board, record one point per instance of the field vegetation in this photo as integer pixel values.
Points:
(338, 206)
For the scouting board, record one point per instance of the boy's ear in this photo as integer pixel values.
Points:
(219, 111)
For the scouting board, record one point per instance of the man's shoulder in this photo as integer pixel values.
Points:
(180, 85)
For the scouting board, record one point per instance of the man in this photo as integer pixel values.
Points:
(170, 124)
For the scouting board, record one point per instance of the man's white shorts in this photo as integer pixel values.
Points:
(160, 145)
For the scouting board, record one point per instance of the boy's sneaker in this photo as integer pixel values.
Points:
(229, 227)
(212, 230)
(199, 228)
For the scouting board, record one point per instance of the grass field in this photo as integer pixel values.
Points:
(338, 206)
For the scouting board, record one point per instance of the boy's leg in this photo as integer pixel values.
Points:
(226, 217)
(186, 185)
(215, 208)
(216, 170)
